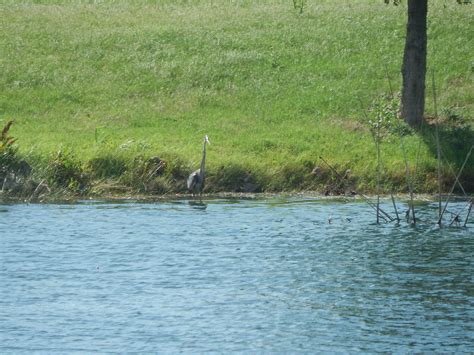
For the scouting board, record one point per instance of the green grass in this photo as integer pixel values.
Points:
(273, 89)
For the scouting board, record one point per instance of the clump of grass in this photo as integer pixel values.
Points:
(288, 177)
(8, 158)
(154, 175)
(63, 170)
(107, 166)
(142, 173)
(305, 175)
(177, 170)
(451, 116)
(232, 178)
(334, 179)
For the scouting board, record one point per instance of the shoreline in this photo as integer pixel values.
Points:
(229, 196)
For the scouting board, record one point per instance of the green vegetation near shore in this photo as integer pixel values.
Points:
(99, 90)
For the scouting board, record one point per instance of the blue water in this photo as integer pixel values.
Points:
(232, 275)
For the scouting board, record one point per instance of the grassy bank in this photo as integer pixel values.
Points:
(111, 84)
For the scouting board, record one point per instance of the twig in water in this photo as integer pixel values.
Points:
(391, 196)
(391, 94)
(377, 145)
(403, 146)
(407, 170)
(384, 215)
(454, 185)
(395, 208)
(438, 148)
(455, 220)
(455, 177)
(409, 181)
(468, 213)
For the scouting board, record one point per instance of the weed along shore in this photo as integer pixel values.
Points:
(114, 99)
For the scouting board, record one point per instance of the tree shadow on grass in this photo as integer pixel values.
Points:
(456, 140)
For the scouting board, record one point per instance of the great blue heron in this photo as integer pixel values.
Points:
(196, 179)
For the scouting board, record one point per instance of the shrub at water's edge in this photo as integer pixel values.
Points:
(62, 175)
(15, 172)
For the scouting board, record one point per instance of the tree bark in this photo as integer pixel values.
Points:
(414, 64)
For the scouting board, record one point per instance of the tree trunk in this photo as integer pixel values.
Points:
(414, 64)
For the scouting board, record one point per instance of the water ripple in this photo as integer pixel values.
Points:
(249, 275)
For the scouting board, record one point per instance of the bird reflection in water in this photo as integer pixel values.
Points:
(197, 205)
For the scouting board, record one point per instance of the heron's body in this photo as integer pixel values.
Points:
(196, 182)
(196, 179)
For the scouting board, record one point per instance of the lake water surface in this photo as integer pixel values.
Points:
(232, 275)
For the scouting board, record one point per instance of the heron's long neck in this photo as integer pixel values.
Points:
(203, 161)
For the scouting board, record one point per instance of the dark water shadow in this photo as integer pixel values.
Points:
(197, 205)
(456, 140)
